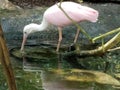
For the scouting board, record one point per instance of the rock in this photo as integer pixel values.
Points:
(87, 76)
(5, 4)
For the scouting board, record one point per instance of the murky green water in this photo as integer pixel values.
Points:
(55, 72)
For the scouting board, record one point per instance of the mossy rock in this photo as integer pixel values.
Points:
(86, 76)
(42, 52)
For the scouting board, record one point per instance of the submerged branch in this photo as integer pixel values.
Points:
(100, 50)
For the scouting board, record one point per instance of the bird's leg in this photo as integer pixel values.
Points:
(76, 36)
(23, 42)
(73, 45)
(60, 38)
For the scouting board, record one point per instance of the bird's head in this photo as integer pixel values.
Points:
(28, 29)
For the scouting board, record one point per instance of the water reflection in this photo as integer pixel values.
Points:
(57, 78)
(58, 73)
(51, 81)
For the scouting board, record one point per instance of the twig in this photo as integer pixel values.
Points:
(113, 49)
(106, 34)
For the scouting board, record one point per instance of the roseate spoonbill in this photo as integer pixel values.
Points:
(55, 16)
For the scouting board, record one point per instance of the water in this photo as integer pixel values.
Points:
(55, 72)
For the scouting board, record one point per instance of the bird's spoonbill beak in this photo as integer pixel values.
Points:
(24, 41)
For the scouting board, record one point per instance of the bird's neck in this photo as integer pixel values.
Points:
(43, 25)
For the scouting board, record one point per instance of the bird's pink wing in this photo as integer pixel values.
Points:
(77, 12)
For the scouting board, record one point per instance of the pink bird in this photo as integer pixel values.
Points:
(55, 16)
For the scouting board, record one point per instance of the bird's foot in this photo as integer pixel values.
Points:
(57, 50)
(71, 47)
(22, 52)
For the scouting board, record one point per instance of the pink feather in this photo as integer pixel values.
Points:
(76, 11)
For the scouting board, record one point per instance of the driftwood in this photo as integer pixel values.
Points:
(5, 61)
(101, 49)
